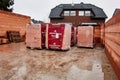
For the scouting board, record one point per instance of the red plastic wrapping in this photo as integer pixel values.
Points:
(58, 36)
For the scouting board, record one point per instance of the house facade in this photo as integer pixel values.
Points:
(116, 11)
(77, 14)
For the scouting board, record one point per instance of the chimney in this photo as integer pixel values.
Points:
(81, 3)
(72, 4)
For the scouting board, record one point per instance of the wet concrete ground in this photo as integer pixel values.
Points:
(19, 63)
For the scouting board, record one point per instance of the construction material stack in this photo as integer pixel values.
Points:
(14, 36)
(43, 33)
(58, 36)
(34, 38)
(85, 36)
(3, 40)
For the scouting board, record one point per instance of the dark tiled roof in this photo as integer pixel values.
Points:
(98, 12)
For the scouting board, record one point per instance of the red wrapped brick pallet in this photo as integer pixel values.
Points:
(85, 36)
(35, 36)
(43, 32)
(58, 36)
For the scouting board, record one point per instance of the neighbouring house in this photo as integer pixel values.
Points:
(116, 11)
(77, 14)
(36, 21)
(80, 15)
(12, 22)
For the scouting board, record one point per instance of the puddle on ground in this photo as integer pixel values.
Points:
(75, 73)
(19, 63)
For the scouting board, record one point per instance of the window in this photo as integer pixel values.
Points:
(87, 13)
(66, 13)
(81, 13)
(72, 13)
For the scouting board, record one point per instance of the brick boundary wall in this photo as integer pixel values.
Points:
(10, 21)
(111, 39)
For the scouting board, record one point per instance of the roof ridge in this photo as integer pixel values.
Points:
(95, 6)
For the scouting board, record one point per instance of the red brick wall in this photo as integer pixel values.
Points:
(102, 34)
(12, 21)
(112, 42)
(76, 20)
(97, 35)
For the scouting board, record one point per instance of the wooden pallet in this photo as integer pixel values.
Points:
(14, 36)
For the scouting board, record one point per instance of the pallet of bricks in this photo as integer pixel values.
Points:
(35, 36)
(14, 36)
(51, 36)
(58, 36)
(85, 36)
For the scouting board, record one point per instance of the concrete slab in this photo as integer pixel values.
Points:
(78, 74)
(19, 63)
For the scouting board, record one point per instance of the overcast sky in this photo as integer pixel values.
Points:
(40, 9)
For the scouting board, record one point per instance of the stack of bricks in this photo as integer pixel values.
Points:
(58, 36)
(35, 36)
(85, 36)
(50, 36)
(3, 40)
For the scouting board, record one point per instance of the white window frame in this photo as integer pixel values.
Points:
(87, 13)
(66, 13)
(72, 13)
(81, 13)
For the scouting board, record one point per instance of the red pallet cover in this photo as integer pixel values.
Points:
(85, 36)
(35, 36)
(43, 30)
(58, 36)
